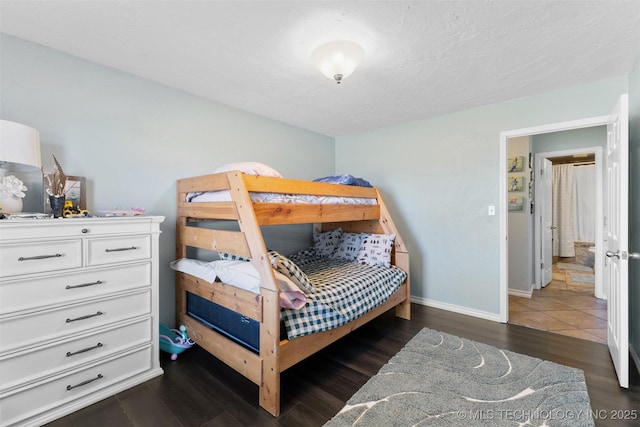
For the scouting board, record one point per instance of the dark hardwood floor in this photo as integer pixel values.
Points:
(198, 390)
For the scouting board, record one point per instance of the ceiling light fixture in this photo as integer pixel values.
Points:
(337, 59)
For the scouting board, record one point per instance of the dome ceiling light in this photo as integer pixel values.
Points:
(337, 59)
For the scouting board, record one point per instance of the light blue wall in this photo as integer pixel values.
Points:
(133, 138)
(595, 136)
(440, 174)
(520, 231)
(634, 210)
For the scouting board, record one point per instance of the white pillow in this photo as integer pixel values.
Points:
(349, 246)
(241, 274)
(201, 269)
(326, 243)
(376, 250)
(250, 168)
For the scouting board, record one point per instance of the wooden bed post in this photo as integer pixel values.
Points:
(270, 325)
(401, 254)
(269, 352)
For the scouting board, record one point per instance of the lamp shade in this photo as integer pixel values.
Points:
(19, 144)
(337, 59)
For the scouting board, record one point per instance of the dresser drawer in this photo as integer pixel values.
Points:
(26, 258)
(24, 294)
(32, 400)
(40, 362)
(75, 227)
(18, 332)
(118, 249)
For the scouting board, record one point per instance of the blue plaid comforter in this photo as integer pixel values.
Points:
(344, 291)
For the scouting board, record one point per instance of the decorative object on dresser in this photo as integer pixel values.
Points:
(78, 313)
(19, 147)
(76, 191)
(56, 183)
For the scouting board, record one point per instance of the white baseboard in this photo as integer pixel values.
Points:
(521, 293)
(457, 309)
(635, 357)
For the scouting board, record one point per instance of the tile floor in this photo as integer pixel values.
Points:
(564, 307)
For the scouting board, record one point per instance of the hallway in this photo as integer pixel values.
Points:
(565, 306)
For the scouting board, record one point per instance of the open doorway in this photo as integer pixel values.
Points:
(566, 215)
(614, 233)
(569, 212)
(533, 258)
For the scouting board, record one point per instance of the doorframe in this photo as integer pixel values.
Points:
(503, 205)
(598, 220)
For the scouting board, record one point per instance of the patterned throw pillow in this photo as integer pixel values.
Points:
(231, 257)
(349, 246)
(326, 243)
(376, 250)
(289, 268)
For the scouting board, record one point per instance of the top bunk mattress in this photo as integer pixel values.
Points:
(260, 169)
(225, 196)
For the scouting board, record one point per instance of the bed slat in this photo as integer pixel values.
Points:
(241, 301)
(262, 184)
(234, 355)
(214, 240)
(285, 213)
(203, 183)
(208, 210)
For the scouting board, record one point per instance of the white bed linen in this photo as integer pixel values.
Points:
(243, 275)
(225, 196)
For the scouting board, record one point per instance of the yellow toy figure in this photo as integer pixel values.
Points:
(71, 211)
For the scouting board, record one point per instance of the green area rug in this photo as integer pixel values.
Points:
(439, 379)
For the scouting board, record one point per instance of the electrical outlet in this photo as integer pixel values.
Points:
(491, 210)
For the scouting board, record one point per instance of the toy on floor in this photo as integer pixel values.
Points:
(174, 341)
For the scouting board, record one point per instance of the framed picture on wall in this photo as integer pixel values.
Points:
(516, 203)
(516, 183)
(515, 164)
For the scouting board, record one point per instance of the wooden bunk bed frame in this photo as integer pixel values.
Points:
(276, 354)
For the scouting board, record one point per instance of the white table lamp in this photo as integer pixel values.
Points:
(19, 147)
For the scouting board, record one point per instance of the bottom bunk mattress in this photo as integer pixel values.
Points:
(342, 291)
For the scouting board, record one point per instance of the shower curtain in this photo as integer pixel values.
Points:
(573, 212)
(564, 210)
(585, 178)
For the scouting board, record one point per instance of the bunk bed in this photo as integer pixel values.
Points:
(247, 201)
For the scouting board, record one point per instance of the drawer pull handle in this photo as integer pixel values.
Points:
(84, 230)
(31, 258)
(71, 387)
(84, 285)
(84, 350)
(88, 316)
(121, 249)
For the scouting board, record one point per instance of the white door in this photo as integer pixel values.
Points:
(545, 223)
(616, 275)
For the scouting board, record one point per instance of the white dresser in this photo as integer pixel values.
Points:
(78, 313)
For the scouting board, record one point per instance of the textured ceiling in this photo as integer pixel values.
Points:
(423, 58)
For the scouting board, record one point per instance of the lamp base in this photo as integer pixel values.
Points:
(10, 204)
